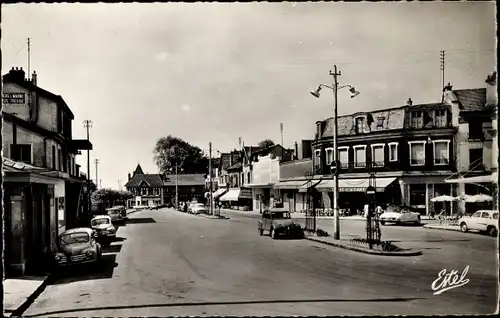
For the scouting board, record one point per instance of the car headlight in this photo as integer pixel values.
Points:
(89, 253)
(58, 257)
(111, 229)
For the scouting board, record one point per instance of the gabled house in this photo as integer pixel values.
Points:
(146, 188)
(44, 191)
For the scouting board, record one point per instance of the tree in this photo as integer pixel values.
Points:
(266, 143)
(171, 151)
(109, 196)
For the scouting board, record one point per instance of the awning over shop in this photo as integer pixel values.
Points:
(218, 193)
(236, 194)
(478, 179)
(259, 185)
(289, 185)
(308, 185)
(354, 185)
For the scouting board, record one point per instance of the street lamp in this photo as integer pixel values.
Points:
(371, 227)
(316, 93)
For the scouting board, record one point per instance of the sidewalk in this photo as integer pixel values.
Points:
(442, 227)
(20, 292)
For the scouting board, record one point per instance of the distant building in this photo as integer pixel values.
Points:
(44, 191)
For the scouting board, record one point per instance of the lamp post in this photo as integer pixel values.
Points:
(371, 227)
(309, 176)
(335, 87)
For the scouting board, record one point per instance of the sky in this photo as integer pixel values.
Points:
(214, 72)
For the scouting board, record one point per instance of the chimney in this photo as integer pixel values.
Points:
(409, 102)
(448, 87)
(296, 150)
(33, 78)
(16, 75)
(129, 176)
(491, 90)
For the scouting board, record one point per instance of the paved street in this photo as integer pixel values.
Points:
(170, 263)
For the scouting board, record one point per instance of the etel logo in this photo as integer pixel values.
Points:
(447, 281)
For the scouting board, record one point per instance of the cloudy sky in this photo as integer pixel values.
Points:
(215, 72)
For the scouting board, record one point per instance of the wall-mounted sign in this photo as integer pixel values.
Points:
(14, 98)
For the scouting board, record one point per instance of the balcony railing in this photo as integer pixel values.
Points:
(441, 161)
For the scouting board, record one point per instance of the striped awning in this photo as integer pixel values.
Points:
(354, 185)
(289, 185)
(478, 179)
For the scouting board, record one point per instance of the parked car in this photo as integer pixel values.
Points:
(153, 207)
(77, 246)
(399, 215)
(116, 214)
(197, 208)
(103, 228)
(278, 222)
(482, 220)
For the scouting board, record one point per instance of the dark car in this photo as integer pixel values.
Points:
(278, 222)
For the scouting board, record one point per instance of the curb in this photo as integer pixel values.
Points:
(213, 217)
(440, 228)
(367, 251)
(31, 298)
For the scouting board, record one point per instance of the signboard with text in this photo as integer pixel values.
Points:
(14, 98)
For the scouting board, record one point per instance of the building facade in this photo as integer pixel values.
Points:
(43, 185)
(147, 189)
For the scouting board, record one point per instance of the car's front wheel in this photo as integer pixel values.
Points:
(261, 231)
(274, 235)
(463, 227)
(492, 231)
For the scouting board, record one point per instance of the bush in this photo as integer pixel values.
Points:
(321, 232)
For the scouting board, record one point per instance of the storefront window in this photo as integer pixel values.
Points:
(417, 196)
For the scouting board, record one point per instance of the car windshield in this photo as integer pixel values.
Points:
(100, 221)
(74, 238)
(199, 205)
(280, 215)
(394, 209)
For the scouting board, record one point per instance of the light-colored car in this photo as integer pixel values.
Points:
(277, 222)
(77, 246)
(397, 215)
(482, 220)
(103, 227)
(116, 214)
(197, 208)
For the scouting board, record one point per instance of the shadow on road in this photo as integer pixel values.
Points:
(222, 303)
(89, 272)
(140, 221)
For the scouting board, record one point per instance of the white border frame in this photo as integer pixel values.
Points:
(346, 148)
(355, 161)
(421, 142)
(373, 146)
(389, 146)
(447, 141)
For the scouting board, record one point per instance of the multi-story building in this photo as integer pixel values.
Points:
(43, 185)
(477, 141)
(409, 149)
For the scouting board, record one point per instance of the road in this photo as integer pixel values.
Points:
(174, 264)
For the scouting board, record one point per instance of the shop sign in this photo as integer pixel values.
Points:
(14, 98)
(246, 194)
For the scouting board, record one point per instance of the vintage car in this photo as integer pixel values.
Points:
(103, 228)
(117, 214)
(77, 246)
(197, 208)
(278, 222)
(399, 215)
(482, 221)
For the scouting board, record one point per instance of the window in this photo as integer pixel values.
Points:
(476, 159)
(476, 130)
(393, 151)
(144, 191)
(440, 117)
(359, 156)
(359, 125)
(249, 177)
(441, 152)
(417, 153)
(378, 155)
(317, 157)
(417, 119)
(485, 215)
(343, 156)
(21, 153)
(54, 158)
(59, 159)
(380, 122)
(329, 155)
(476, 215)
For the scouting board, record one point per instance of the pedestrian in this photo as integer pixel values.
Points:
(379, 210)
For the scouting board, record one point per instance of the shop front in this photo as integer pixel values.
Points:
(238, 199)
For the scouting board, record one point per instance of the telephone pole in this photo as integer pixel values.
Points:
(442, 75)
(210, 176)
(29, 56)
(96, 161)
(336, 233)
(282, 146)
(87, 124)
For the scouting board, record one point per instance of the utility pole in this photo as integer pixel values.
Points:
(442, 75)
(29, 56)
(336, 233)
(210, 176)
(176, 187)
(87, 124)
(282, 146)
(96, 161)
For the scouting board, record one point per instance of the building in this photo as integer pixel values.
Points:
(43, 187)
(477, 142)
(190, 187)
(146, 188)
(410, 150)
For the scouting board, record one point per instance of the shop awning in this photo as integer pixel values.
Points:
(289, 185)
(259, 185)
(218, 193)
(236, 194)
(478, 179)
(354, 185)
(308, 185)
